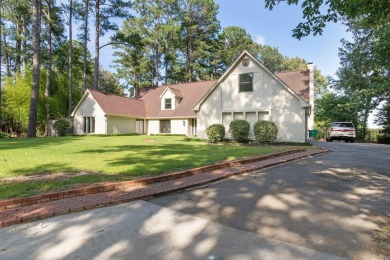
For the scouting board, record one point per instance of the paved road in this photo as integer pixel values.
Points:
(326, 207)
(335, 203)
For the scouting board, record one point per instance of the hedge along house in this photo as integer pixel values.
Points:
(247, 90)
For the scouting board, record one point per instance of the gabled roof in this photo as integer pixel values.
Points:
(174, 91)
(191, 93)
(298, 81)
(244, 54)
(112, 104)
(118, 105)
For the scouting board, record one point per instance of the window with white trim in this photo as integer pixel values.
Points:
(165, 126)
(89, 124)
(246, 82)
(168, 103)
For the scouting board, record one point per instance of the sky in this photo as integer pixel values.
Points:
(273, 28)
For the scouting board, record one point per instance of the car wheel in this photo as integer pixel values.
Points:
(352, 140)
(330, 140)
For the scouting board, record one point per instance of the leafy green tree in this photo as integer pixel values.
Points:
(83, 12)
(383, 115)
(199, 28)
(133, 65)
(234, 40)
(105, 12)
(318, 13)
(271, 58)
(109, 83)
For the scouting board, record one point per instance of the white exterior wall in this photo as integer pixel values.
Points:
(153, 127)
(268, 99)
(89, 108)
(120, 125)
(177, 126)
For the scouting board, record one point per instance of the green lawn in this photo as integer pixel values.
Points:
(110, 158)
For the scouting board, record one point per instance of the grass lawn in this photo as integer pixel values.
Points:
(37, 165)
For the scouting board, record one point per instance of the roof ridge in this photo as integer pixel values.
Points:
(289, 71)
(113, 94)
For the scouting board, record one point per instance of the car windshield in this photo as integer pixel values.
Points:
(342, 124)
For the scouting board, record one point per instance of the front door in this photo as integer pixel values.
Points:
(139, 126)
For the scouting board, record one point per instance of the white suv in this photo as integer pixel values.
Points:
(341, 131)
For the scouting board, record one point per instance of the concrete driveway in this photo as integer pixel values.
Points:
(336, 203)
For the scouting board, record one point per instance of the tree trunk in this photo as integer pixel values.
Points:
(48, 72)
(70, 57)
(18, 47)
(97, 35)
(86, 16)
(24, 44)
(7, 63)
(36, 30)
(189, 60)
(157, 58)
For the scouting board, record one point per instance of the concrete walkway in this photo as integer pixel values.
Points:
(18, 212)
(142, 230)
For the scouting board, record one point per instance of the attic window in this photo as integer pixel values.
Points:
(246, 82)
(168, 103)
(245, 62)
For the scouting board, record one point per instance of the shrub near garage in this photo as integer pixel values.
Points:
(239, 130)
(215, 133)
(61, 126)
(265, 131)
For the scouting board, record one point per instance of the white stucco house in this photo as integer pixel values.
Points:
(247, 90)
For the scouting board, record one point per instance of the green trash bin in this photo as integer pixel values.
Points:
(312, 134)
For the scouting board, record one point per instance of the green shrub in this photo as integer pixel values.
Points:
(265, 131)
(5, 135)
(61, 126)
(215, 133)
(239, 130)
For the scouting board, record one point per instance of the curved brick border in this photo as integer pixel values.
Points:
(20, 202)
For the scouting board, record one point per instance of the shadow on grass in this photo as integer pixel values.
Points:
(39, 142)
(164, 158)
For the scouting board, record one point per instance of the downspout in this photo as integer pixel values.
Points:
(311, 68)
(106, 117)
(306, 123)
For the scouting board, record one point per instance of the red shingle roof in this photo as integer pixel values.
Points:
(118, 105)
(149, 103)
(298, 81)
(176, 92)
(192, 93)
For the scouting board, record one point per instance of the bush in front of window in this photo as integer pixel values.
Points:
(215, 133)
(265, 131)
(61, 126)
(239, 129)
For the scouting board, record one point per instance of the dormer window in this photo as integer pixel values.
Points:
(246, 82)
(168, 103)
